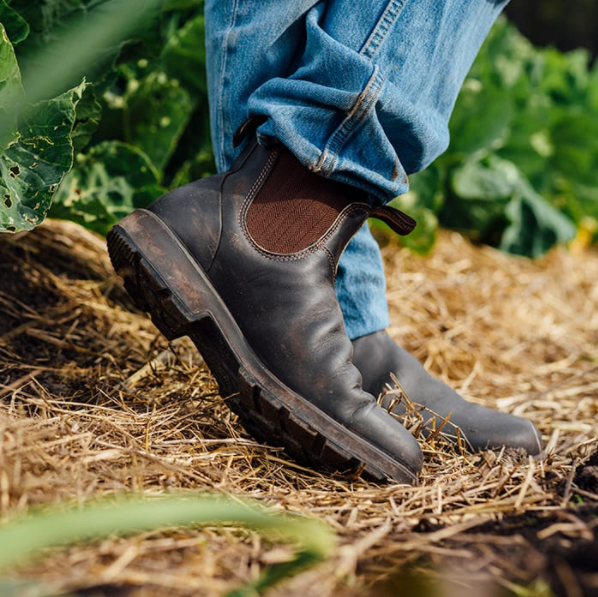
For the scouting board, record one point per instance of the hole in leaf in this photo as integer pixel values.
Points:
(7, 200)
(14, 171)
(11, 228)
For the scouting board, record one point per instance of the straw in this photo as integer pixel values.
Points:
(94, 402)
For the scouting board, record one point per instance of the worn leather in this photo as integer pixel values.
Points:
(193, 210)
(285, 305)
(377, 356)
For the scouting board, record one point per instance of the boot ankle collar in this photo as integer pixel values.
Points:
(247, 128)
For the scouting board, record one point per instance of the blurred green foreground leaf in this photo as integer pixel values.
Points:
(26, 538)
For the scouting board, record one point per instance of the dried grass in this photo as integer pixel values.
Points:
(93, 402)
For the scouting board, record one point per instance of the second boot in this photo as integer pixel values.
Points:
(378, 356)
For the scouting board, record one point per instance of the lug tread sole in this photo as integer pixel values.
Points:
(263, 415)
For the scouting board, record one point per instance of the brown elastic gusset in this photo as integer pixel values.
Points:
(294, 208)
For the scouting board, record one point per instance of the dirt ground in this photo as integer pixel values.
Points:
(93, 402)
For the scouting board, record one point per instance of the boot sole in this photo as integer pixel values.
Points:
(166, 281)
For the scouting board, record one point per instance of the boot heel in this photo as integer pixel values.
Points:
(155, 271)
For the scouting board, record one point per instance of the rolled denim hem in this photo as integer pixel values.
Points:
(336, 160)
(360, 92)
(323, 111)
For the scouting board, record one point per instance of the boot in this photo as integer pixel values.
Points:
(244, 264)
(377, 356)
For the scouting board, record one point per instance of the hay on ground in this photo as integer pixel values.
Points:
(93, 401)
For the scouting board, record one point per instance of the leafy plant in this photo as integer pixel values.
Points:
(101, 145)
(519, 174)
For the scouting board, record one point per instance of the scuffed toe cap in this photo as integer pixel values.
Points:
(388, 435)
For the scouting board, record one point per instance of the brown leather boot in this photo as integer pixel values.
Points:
(244, 264)
(377, 356)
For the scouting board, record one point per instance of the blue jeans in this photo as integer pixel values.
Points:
(360, 91)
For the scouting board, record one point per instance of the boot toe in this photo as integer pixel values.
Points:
(377, 355)
(488, 429)
(385, 432)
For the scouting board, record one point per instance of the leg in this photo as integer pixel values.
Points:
(361, 59)
(244, 262)
(361, 286)
(346, 94)
(242, 40)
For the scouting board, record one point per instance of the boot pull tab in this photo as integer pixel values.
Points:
(247, 128)
(400, 222)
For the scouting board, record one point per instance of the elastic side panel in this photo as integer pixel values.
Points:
(294, 207)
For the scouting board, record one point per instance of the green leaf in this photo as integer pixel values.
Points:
(427, 186)
(182, 4)
(157, 111)
(24, 538)
(11, 89)
(535, 225)
(564, 76)
(480, 190)
(108, 182)
(575, 139)
(491, 179)
(530, 144)
(43, 15)
(593, 88)
(185, 56)
(504, 58)
(71, 40)
(201, 165)
(35, 162)
(423, 238)
(481, 118)
(16, 26)
(87, 120)
(493, 198)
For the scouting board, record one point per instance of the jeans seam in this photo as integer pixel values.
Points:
(220, 110)
(357, 114)
(386, 21)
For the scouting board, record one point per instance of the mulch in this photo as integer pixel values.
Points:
(94, 402)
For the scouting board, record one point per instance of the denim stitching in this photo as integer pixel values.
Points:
(220, 111)
(368, 96)
(386, 21)
(358, 113)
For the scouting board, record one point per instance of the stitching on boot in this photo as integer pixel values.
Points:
(259, 180)
(332, 263)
